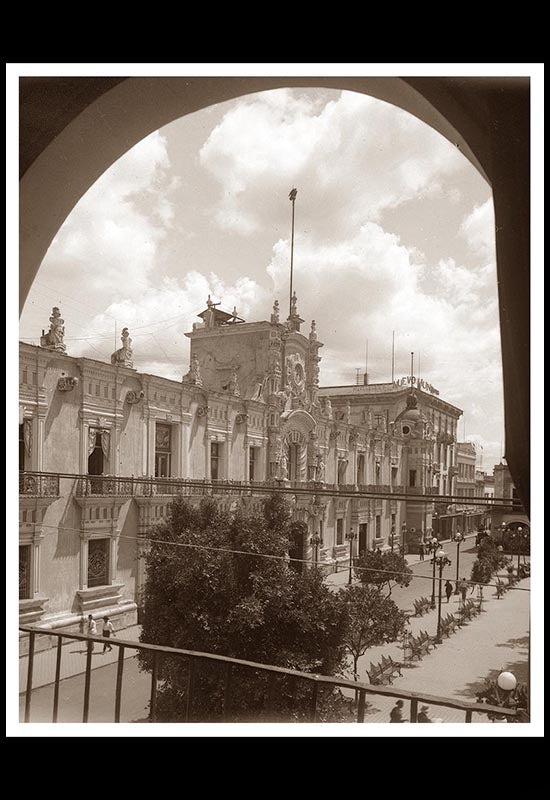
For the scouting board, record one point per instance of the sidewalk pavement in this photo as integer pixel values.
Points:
(495, 640)
(73, 659)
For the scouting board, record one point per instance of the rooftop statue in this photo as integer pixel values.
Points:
(123, 356)
(53, 340)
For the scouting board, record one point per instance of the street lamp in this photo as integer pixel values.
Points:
(519, 536)
(432, 548)
(404, 538)
(440, 557)
(507, 681)
(392, 534)
(458, 538)
(315, 541)
(350, 537)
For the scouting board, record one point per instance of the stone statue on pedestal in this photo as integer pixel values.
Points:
(123, 357)
(275, 313)
(53, 340)
(194, 374)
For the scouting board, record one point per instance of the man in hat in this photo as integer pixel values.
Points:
(396, 714)
(423, 716)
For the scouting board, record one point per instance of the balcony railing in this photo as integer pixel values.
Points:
(229, 671)
(38, 484)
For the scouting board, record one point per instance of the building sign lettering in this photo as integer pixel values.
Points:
(419, 383)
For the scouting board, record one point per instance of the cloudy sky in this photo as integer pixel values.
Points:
(394, 231)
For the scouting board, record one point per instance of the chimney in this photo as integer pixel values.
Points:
(365, 379)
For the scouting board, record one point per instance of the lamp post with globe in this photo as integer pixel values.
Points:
(432, 548)
(518, 539)
(350, 537)
(458, 538)
(440, 558)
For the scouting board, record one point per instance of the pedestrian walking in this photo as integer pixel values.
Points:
(463, 587)
(107, 632)
(91, 629)
(448, 590)
(421, 551)
(423, 715)
(396, 714)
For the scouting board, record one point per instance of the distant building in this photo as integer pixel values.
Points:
(504, 487)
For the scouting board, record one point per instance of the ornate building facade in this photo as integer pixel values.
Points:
(104, 449)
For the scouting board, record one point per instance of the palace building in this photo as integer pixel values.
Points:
(103, 449)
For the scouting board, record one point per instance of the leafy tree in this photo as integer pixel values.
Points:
(482, 570)
(383, 570)
(234, 604)
(372, 619)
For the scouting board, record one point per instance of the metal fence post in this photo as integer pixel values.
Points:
(89, 646)
(153, 700)
(414, 710)
(119, 672)
(30, 667)
(361, 707)
(57, 678)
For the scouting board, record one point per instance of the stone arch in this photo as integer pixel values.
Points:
(91, 122)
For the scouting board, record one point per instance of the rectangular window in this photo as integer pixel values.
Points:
(377, 473)
(377, 526)
(25, 572)
(252, 464)
(321, 531)
(342, 466)
(98, 562)
(394, 476)
(214, 460)
(339, 531)
(163, 450)
(361, 468)
(412, 477)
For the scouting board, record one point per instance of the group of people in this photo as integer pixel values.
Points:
(107, 631)
(396, 714)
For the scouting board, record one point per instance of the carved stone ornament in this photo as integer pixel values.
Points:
(123, 356)
(240, 419)
(275, 314)
(194, 374)
(66, 384)
(53, 340)
(134, 396)
(202, 411)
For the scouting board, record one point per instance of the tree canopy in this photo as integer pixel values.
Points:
(383, 570)
(232, 602)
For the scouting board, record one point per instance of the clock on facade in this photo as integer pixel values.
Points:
(296, 371)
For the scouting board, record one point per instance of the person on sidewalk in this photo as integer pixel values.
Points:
(421, 551)
(423, 716)
(107, 632)
(463, 588)
(92, 629)
(448, 590)
(396, 714)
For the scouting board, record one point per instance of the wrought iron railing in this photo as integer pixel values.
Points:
(47, 484)
(39, 484)
(230, 669)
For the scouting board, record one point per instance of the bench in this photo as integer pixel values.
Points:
(383, 672)
(467, 611)
(431, 640)
(421, 606)
(448, 625)
(419, 646)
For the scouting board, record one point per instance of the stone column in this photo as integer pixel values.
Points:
(151, 436)
(227, 465)
(145, 423)
(83, 577)
(207, 472)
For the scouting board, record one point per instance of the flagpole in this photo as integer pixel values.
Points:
(292, 198)
(392, 356)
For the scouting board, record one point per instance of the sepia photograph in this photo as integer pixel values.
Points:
(275, 399)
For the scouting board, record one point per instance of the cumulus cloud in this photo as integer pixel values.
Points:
(478, 228)
(356, 156)
(352, 159)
